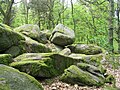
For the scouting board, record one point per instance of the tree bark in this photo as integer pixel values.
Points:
(118, 24)
(111, 24)
(72, 12)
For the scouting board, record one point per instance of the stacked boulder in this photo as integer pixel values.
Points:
(62, 35)
(38, 54)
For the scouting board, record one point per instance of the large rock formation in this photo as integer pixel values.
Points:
(32, 31)
(42, 64)
(25, 45)
(62, 35)
(12, 79)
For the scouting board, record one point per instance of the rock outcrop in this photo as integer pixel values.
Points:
(45, 55)
(43, 64)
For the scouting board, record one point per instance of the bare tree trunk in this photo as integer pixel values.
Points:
(27, 15)
(111, 24)
(72, 12)
(118, 20)
(63, 2)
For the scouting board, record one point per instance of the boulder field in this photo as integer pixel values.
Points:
(27, 52)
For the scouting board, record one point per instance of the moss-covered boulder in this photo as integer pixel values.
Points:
(77, 75)
(8, 37)
(28, 46)
(5, 59)
(61, 62)
(35, 68)
(62, 35)
(32, 31)
(90, 59)
(43, 64)
(35, 64)
(99, 71)
(87, 49)
(12, 79)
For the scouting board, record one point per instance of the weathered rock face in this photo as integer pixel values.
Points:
(51, 64)
(35, 64)
(87, 49)
(62, 35)
(84, 74)
(5, 59)
(90, 59)
(42, 64)
(32, 31)
(28, 46)
(8, 38)
(12, 79)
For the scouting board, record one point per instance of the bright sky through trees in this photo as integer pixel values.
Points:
(67, 1)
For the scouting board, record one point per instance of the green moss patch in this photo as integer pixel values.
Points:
(17, 80)
(5, 59)
(36, 68)
(75, 75)
(8, 38)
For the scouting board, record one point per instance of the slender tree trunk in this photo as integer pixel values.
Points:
(118, 20)
(111, 24)
(63, 2)
(72, 12)
(27, 14)
(39, 19)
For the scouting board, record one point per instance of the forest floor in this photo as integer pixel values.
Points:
(56, 84)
